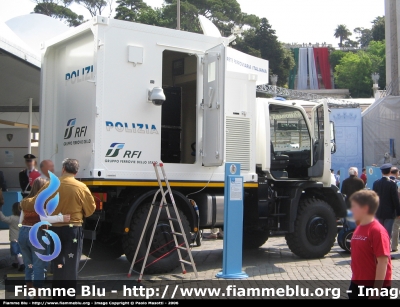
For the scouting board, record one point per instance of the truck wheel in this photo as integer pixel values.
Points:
(103, 248)
(314, 229)
(340, 238)
(347, 239)
(163, 241)
(254, 238)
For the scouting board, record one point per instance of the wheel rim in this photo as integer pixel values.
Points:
(163, 241)
(317, 230)
(347, 240)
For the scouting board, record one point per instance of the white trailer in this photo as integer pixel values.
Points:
(118, 95)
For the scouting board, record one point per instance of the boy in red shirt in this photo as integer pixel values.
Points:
(370, 250)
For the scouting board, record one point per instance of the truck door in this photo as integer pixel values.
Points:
(321, 159)
(213, 106)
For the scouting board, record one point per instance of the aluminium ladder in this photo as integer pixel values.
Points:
(164, 204)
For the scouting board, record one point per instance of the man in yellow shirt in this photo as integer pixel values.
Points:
(76, 200)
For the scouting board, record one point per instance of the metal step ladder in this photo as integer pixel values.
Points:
(181, 233)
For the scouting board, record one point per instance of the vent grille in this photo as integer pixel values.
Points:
(238, 141)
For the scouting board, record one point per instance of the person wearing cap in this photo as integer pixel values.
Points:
(24, 183)
(394, 175)
(389, 204)
(352, 184)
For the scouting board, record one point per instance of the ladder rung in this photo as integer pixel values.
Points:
(186, 262)
(176, 234)
(182, 248)
(172, 219)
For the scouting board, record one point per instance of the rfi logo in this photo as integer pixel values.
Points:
(114, 149)
(79, 131)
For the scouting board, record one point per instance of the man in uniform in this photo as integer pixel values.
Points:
(352, 184)
(30, 163)
(389, 205)
(76, 200)
(394, 174)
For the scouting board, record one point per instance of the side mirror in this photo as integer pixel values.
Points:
(333, 137)
(333, 148)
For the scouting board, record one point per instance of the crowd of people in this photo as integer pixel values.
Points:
(377, 215)
(75, 203)
(376, 212)
(388, 190)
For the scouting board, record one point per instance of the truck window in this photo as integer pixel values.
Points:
(290, 137)
(178, 120)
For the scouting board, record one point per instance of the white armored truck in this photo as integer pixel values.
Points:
(118, 96)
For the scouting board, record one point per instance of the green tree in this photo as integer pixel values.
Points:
(223, 13)
(263, 42)
(335, 57)
(350, 43)
(247, 43)
(58, 9)
(354, 72)
(154, 17)
(343, 33)
(96, 7)
(377, 53)
(364, 36)
(378, 28)
(129, 9)
(189, 15)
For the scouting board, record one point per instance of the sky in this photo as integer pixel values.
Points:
(306, 21)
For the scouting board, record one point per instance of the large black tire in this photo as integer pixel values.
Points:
(103, 248)
(315, 229)
(161, 237)
(254, 238)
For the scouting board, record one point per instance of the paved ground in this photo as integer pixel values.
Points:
(273, 261)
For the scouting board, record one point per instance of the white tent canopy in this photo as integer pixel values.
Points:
(34, 29)
(381, 132)
(20, 60)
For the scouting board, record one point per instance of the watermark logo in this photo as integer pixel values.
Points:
(70, 126)
(114, 149)
(50, 208)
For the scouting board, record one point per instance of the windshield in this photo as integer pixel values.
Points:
(289, 131)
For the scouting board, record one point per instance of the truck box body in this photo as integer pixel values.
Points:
(95, 103)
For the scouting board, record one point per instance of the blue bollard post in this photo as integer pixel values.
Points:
(233, 224)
